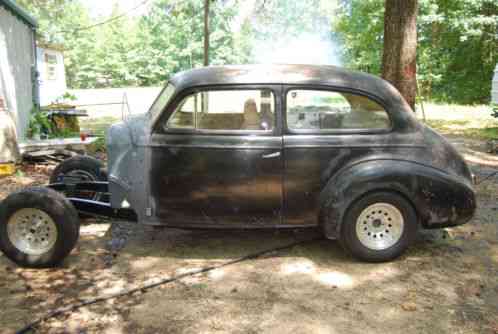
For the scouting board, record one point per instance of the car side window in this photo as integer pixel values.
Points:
(251, 110)
(327, 110)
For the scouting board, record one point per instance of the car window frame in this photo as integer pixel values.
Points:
(178, 105)
(287, 88)
(177, 100)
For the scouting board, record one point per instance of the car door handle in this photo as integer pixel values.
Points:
(271, 155)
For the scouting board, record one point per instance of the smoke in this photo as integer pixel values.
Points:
(290, 33)
(306, 48)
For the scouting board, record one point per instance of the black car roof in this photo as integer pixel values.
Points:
(332, 76)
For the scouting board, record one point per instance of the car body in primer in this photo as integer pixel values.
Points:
(196, 179)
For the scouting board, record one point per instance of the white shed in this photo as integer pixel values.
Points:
(52, 75)
(18, 88)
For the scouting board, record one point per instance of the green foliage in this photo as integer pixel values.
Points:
(360, 28)
(170, 39)
(58, 22)
(61, 101)
(495, 110)
(138, 51)
(457, 50)
(100, 145)
(39, 123)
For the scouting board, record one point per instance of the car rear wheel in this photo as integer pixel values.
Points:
(379, 227)
(38, 227)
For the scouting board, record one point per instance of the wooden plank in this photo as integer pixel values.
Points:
(56, 144)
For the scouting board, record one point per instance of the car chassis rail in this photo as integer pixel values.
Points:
(91, 207)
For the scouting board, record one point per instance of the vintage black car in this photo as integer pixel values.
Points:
(281, 146)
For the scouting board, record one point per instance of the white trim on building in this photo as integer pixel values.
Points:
(52, 76)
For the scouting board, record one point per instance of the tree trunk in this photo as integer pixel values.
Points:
(399, 65)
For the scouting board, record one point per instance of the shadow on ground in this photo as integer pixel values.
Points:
(445, 283)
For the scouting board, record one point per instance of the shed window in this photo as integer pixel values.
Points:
(51, 66)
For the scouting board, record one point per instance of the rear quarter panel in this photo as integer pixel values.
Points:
(324, 175)
(313, 161)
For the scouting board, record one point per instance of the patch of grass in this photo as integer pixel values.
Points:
(490, 133)
(97, 126)
(199, 286)
(484, 130)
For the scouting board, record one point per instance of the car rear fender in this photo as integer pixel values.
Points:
(440, 199)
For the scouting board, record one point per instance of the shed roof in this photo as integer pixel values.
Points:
(19, 12)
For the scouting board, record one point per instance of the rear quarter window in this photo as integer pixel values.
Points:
(323, 110)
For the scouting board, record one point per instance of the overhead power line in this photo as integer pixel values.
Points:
(114, 18)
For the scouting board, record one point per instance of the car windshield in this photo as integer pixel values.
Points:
(161, 101)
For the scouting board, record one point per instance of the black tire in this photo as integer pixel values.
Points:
(85, 163)
(349, 237)
(58, 208)
(89, 168)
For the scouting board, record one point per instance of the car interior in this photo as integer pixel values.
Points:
(241, 111)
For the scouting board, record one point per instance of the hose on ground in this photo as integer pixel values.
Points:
(489, 176)
(147, 286)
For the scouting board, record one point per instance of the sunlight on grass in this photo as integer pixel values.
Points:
(470, 129)
(455, 112)
(97, 126)
(474, 122)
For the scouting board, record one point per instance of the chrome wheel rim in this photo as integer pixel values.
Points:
(32, 231)
(380, 226)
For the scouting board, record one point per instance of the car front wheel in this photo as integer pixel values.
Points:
(38, 227)
(379, 227)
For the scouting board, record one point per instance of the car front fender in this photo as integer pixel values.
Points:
(440, 199)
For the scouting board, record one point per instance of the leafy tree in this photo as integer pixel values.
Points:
(456, 54)
(142, 51)
(58, 22)
(457, 45)
(360, 30)
(172, 34)
(56, 18)
(460, 39)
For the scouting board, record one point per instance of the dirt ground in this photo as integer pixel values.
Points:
(446, 283)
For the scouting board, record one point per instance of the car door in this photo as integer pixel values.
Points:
(216, 160)
(325, 129)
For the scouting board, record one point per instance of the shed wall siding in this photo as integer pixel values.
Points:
(16, 62)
